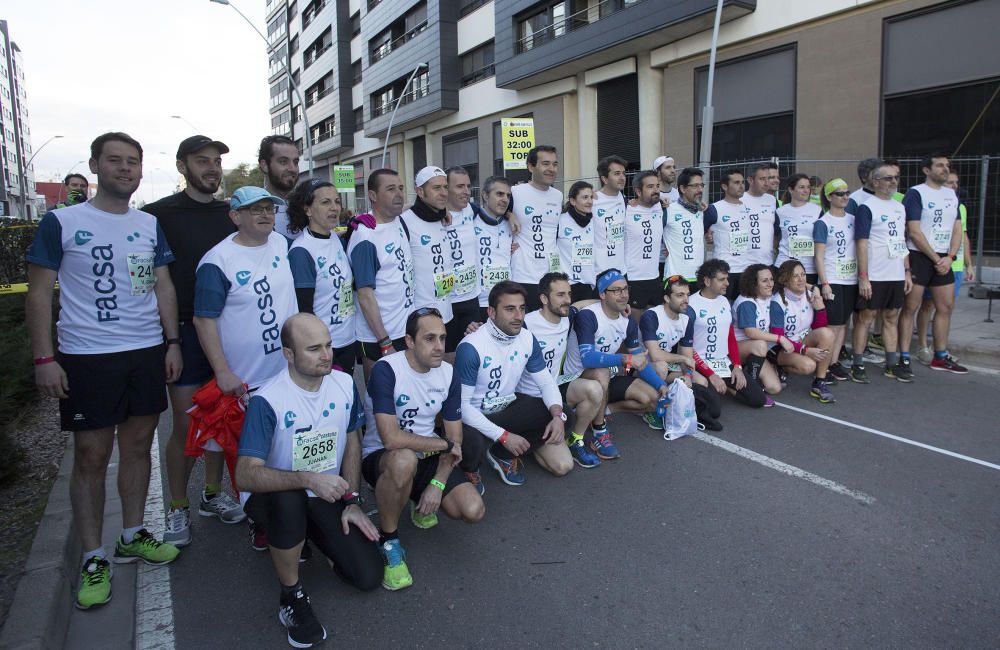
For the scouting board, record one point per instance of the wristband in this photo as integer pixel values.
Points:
(863, 275)
(503, 437)
(803, 350)
(438, 484)
(628, 363)
(41, 361)
(175, 341)
(451, 445)
(351, 499)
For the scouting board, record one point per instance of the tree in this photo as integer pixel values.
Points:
(243, 175)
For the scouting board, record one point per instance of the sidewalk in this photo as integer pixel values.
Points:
(42, 614)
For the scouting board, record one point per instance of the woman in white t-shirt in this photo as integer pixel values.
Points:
(794, 225)
(752, 325)
(575, 240)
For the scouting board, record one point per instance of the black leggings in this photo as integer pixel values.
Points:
(753, 393)
(525, 416)
(707, 402)
(291, 515)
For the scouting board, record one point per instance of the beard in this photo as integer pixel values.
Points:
(279, 183)
(201, 186)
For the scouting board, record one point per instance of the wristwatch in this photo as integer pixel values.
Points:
(451, 445)
(562, 415)
(352, 499)
(176, 341)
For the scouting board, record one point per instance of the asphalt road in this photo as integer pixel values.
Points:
(682, 544)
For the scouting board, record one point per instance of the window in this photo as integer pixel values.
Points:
(466, 7)
(541, 26)
(477, 64)
(296, 114)
(618, 119)
(462, 149)
(276, 62)
(399, 32)
(293, 9)
(355, 24)
(279, 92)
(356, 72)
(419, 146)
(513, 175)
(311, 11)
(293, 45)
(375, 162)
(317, 48)
(752, 139)
(277, 29)
(324, 130)
(319, 90)
(359, 118)
(279, 123)
(373, 3)
(383, 100)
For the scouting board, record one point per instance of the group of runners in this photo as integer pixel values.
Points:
(485, 330)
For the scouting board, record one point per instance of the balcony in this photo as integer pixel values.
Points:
(387, 48)
(385, 106)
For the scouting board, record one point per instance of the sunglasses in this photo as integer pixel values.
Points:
(840, 194)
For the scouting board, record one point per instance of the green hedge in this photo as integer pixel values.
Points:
(17, 383)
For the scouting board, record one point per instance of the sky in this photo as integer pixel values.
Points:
(93, 66)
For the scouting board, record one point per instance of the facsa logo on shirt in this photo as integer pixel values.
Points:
(289, 419)
(637, 217)
(478, 230)
(725, 218)
(390, 247)
(320, 261)
(528, 210)
(402, 400)
(702, 313)
(885, 218)
(567, 231)
(425, 239)
(486, 362)
(81, 237)
(242, 277)
(600, 212)
(678, 217)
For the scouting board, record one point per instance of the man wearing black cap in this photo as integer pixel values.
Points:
(193, 222)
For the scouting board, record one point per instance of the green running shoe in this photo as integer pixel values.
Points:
(147, 548)
(653, 421)
(396, 575)
(95, 583)
(422, 521)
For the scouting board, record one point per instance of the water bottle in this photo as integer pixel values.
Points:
(661, 406)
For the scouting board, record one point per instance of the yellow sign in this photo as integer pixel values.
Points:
(518, 134)
(18, 287)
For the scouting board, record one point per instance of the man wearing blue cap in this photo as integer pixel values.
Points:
(244, 292)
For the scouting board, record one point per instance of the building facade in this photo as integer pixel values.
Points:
(17, 177)
(817, 80)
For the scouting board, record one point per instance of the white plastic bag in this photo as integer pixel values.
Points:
(680, 418)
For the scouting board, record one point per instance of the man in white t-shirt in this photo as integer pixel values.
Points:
(300, 469)
(683, 227)
(493, 238)
(666, 169)
(643, 237)
(609, 215)
(244, 292)
(727, 226)
(462, 250)
(536, 207)
(278, 158)
(761, 207)
(116, 306)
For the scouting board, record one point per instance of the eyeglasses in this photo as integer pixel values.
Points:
(888, 178)
(840, 194)
(696, 186)
(617, 291)
(260, 210)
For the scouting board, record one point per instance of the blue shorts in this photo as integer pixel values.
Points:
(197, 370)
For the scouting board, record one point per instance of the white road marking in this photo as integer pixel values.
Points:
(785, 468)
(154, 607)
(985, 371)
(892, 437)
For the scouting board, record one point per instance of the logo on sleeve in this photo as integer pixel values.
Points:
(81, 237)
(320, 261)
(702, 313)
(425, 239)
(885, 218)
(486, 362)
(725, 218)
(289, 418)
(390, 247)
(402, 399)
(242, 277)
(678, 217)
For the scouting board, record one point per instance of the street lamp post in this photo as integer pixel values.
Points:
(24, 177)
(178, 117)
(708, 111)
(388, 132)
(307, 136)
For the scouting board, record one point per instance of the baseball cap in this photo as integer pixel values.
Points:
(659, 161)
(248, 195)
(428, 173)
(197, 143)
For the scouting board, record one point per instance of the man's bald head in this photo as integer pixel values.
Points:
(299, 327)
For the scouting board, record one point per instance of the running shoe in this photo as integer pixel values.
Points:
(710, 424)
(477, 482)
(653, 421)
(307, 552)
(876, 342)
(145, 547)
(900, 372)
(872, 356)
(396, 575)
(604, 446)
(95, 583)
(949, 364)
(178, 529)
(296, 614)
(768, 401)
(859, 376)
(509, 470)
(844, 354)
(422, 521)
(925, 355)
(821, 391)
(782, 377)
(258, 536)
(838, 372)
(222, 506)
(581, 455)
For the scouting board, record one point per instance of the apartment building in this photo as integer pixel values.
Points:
(824, 79)
(16, 176)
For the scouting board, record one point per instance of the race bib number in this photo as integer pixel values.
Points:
(345, 306)
(897, 248)
(583, 254)
(847, 267)
(565, 379)
(140, 272)
(554, 265)
(616, 233)
(739, 242)
(314, 451)
(494, 275)
(497, 404)
(720, 367)
(465, 280)
(940, 238)
(443, 284)
(799, 246)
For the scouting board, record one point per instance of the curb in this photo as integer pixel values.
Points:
(39, 615)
